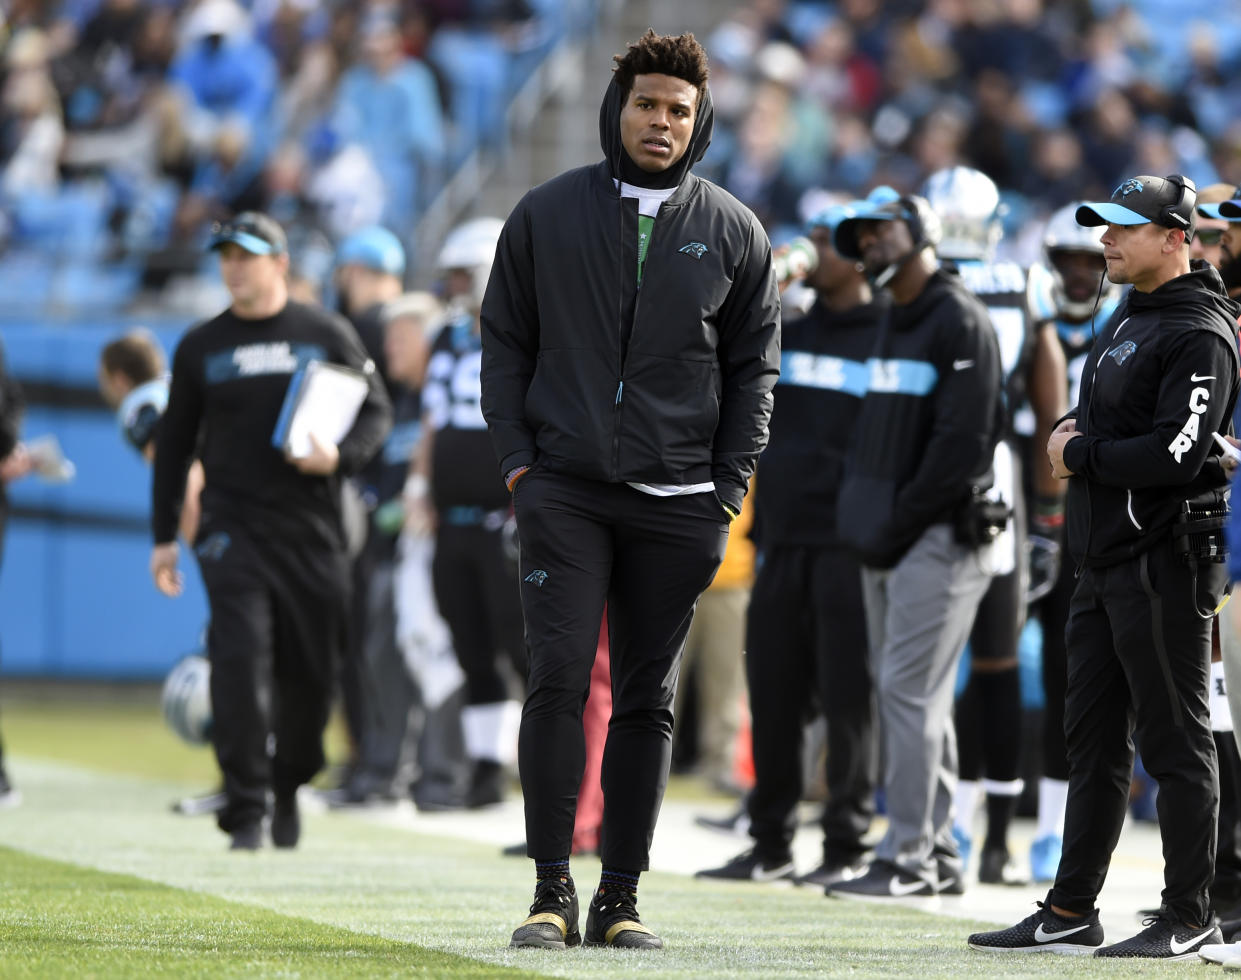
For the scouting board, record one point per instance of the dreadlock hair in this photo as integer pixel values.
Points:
(680, 56)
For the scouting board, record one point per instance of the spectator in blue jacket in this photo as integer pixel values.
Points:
(389, 103)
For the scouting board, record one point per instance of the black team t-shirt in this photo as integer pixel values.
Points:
(229, 379)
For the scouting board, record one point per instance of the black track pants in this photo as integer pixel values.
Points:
(476, 592)
(279, 614)
(806, 651)
(584, 543)
(1139, 665)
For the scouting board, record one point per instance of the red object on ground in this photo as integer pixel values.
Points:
(595, 719)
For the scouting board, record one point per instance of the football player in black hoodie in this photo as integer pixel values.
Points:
(630, 344)
(1146, 502)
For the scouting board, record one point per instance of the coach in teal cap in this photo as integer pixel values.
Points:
(1165, 201)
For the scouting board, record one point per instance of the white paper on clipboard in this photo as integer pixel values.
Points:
(322, 398)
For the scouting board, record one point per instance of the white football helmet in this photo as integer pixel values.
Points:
(471, 246)
(186, 699)
(968, 204)
(1064, 234)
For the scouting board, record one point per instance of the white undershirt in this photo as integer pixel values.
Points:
(649, 200)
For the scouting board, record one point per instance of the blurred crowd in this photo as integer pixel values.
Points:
(1054, 99)
(128, 126)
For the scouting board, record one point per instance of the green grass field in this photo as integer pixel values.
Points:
(99, 879)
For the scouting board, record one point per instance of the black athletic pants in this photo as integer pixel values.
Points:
(1053, 613)
(1226, 889)
(1139, 670)
(279, 615)
(806, 651)
(584, 543)
(476, 592)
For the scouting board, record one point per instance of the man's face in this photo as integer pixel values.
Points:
(406, 349)
(1133, 252)
(1080, 272)
(1230, 256)
(249, 276)
(113, 386)
(883, 243)
(1206, 243)
(657, 120)
(833, 270)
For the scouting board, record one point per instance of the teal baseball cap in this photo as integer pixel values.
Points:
(253, 231)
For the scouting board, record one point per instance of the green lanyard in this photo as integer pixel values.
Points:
(645, 225)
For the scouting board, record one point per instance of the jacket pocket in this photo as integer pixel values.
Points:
(671, 412)
(864, 519)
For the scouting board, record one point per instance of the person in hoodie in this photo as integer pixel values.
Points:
(630, 333)
(1138, 448)
(912, 507)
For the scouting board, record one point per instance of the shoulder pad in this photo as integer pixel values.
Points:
(141, 410)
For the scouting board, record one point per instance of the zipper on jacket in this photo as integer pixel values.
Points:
(1129, 506)
(622, 348)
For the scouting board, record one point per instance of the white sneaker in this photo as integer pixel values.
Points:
(1231, 957)
(1219, 952)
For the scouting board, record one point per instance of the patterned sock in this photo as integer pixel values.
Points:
(553, 869)
(616, 878)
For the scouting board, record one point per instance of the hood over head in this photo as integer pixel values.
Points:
(1201, 284)
(621, 164)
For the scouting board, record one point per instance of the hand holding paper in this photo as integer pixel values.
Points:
(322, 459)
(322, 399)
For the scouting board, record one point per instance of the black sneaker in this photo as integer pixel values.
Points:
(1164, 938)
(830, 872)
(612, 920)
(286, 822)
(198, 806)
(737, 822)
(247, 838)
(9, 797)
(883, 879)
(752, 866)
(1044, 932)
(950, 877)
(552, 923)
(997, 867)
(486, 785)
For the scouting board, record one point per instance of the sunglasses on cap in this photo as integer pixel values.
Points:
(259, 237)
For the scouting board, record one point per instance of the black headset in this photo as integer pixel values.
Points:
(925, 227)
(923, 223)
(1181, 214)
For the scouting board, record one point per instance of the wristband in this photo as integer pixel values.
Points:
(729, 511)
(415, 486)
(513, 475)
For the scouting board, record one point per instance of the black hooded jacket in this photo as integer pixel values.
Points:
(929, 423)
(1160, 379)
(586, 374)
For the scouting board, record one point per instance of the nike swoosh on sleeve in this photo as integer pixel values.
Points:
(1205, 377)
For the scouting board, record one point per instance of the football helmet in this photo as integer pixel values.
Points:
(186, 699)
(471, 247)
(1064, 234)
(968, 204)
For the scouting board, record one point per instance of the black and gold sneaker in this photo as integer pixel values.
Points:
(612, 920)
(552, 923)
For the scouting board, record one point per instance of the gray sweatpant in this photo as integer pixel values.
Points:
(918, 616)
